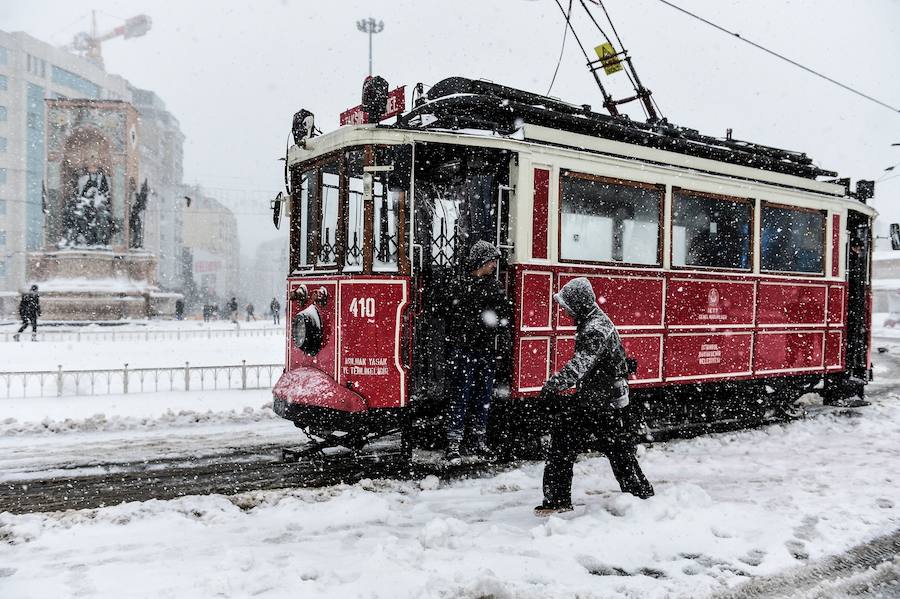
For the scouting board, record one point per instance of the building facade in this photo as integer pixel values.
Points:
(211, 249)
(161, 156)
(32, 72)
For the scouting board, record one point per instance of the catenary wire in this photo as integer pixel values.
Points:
(575, 35)
(561, 50)
(782, 57)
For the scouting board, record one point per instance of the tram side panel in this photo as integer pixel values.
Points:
(685, 328)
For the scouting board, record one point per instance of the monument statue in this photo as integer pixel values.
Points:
(135, 220)
(87, 214)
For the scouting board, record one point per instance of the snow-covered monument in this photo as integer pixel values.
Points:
(93, 265)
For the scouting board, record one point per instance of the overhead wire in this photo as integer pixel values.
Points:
(561, 50)
(574, 34)
(782, 57)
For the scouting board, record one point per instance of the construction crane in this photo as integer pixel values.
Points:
(88, 44)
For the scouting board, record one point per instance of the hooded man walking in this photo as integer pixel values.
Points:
(478, 311)
(29, 310)
(598, 372)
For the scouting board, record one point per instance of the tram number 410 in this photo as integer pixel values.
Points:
(363, 307)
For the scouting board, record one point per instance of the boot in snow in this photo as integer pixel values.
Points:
(452, 455)
(546, 509)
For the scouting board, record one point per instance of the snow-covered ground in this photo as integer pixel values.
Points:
(728, 506)
(90, 353)
(80, 434)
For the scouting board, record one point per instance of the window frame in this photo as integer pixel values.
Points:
(825, 248)
(658, 187)
(719, 198)
(314, 221)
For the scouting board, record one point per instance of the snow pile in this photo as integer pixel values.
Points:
(168, 419)
(50, 415)
(728, 507)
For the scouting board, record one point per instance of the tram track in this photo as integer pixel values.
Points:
(870, 569)
(154, 481)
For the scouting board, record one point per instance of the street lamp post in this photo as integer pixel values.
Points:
(370, 26)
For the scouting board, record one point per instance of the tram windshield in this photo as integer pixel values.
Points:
(349, 212)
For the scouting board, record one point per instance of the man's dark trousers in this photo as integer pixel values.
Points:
(572, 427)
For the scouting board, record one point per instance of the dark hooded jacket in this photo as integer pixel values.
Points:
(30, 306)
(598, 369)
(477, 311)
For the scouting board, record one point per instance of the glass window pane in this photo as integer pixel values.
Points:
(792, 240)
(386, 212)
(710, 232)
(306, 209)
(330, 192)
(609, 222)
(353, 260)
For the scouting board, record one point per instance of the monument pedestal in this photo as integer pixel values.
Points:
(98, 284)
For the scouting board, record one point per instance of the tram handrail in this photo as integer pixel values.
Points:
(106, 381)
(148, 335)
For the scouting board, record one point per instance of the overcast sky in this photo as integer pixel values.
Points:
(233, 73)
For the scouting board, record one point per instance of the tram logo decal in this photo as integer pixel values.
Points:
(709, 354)
(714, 309)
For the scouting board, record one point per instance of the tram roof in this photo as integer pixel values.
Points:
(494, 114)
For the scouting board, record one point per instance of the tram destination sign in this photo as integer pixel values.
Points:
(395, 105)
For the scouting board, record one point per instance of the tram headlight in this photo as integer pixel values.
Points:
(306, 331)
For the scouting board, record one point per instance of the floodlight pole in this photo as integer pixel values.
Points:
(370, 26)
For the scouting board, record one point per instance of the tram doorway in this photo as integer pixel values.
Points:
(462, 196)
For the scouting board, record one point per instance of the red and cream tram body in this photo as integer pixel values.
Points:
(737, 277)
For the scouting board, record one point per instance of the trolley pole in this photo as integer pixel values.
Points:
(371, 27)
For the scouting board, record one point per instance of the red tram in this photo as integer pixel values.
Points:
(738, 278)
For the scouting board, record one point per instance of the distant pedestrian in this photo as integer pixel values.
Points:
(275, 307)
(232, 306)
(250, 315)
(179, 309)
(29, 310)
(600, 406)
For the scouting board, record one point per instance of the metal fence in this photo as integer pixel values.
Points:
(61, 382)
(149, 335)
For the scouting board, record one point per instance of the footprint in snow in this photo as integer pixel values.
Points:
(797, 549)
(754, 557)
(884, 503)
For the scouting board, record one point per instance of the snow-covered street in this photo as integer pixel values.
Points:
(728, 507)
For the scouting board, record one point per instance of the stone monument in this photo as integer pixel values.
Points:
(93, 265)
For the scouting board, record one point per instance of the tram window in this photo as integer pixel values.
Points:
(386, 239)
(384, 213)
(355, 213)
(603, 221)
(792, 240)
(710, 231)
(328, 209)
(307, 219)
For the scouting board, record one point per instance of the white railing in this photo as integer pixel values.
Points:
(149, 335)
(61, 382)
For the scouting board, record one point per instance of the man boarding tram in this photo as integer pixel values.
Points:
(599, 407)
(478, 311)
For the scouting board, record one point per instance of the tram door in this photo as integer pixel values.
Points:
(462, 195)
(858, 294)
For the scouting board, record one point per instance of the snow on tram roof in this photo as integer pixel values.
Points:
(458, 103)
